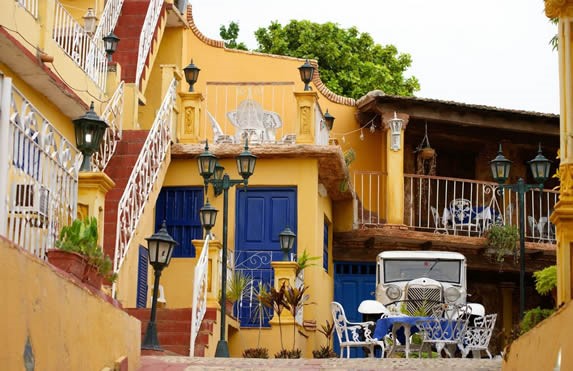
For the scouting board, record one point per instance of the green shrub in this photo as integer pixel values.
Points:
(532, 317)
(546, 279)
(503, 240)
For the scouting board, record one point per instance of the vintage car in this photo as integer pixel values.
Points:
(414, 282)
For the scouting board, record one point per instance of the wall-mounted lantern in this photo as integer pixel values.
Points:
(395, 124)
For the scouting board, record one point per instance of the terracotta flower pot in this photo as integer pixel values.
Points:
(92, 276)
(427, 152)
(70, 262)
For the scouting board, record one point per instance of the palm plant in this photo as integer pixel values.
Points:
(276, 301)
(296, 299)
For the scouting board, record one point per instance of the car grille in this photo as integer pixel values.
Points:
(423, 299)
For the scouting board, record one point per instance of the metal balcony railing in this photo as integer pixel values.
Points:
(38, 175)
(88, 53)
(433, 204)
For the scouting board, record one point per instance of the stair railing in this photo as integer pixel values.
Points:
(108, 19)
(143, 176)
(113, 116)
(200, 285)
(146, 37)
(80, 46)
(30, 5)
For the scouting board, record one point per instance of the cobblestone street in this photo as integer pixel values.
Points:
(173, 363)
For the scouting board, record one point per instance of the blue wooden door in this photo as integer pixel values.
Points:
(353, 282)
(179, 207)
(262, 213)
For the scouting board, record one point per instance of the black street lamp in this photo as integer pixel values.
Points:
(540, 167)
(90, 129)
(328, 120)
(215, 175)
(306, 73)
(159, 251)
(286, 242)
(110, 44)
(191, 74)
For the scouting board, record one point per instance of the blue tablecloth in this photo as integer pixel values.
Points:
(384, 326)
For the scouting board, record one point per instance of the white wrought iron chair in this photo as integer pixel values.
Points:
(533, 226)
(353, 334)
(440, 227)
(462, 216)
(218, 135)
(477, 337)
(445, 329)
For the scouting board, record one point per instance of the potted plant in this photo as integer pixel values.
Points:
(546, 281)
(78, 253)
(502, 240)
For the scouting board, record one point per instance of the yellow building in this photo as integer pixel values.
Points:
(348, 191)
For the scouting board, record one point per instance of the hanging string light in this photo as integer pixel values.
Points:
(369, 124)
(361, 135)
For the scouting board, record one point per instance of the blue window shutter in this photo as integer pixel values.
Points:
(179, 207)
(141, 300)
(325, 247)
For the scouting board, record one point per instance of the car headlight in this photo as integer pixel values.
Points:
(393, 292)
(452, 294)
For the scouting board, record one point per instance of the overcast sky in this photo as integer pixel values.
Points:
(490, 52)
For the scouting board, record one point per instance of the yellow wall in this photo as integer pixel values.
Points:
(60, 121)
(69, 327)
(538, 348)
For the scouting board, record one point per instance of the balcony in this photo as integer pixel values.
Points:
(432, 204)
(263, 112)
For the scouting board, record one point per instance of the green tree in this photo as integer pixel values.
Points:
(230, 34)
(351, 63)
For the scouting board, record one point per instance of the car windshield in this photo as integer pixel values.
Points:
(408, 269)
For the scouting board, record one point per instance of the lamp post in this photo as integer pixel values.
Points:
(286, 242)
(159, 251)
(540, 167)
(215, 175)
(89, 133)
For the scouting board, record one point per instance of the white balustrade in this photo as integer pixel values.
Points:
(146, 37)
(41, 181)
(113, 116)
(143, 177)
(30, 5)
(200, 286)
(80, 46)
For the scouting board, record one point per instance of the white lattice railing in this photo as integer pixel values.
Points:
(30, 5)
(108, 19)
(200, 286)
(80, 46)
(40, 181)
(146, 37)
(113, 116)
(144, 175)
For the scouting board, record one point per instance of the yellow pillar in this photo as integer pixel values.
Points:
(305, 116)
(562, 217)
(394, 158)
(189, 122)
(213, 270)
(92, 188)
(285, 272)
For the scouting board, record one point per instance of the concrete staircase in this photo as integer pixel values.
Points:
(119, 170)
(174, 328)
(128, 29)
